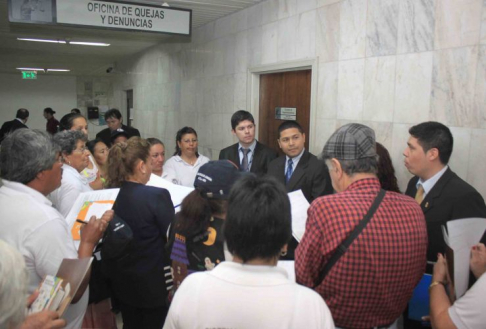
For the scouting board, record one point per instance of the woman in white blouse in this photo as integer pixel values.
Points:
(75, 157)
(183, 166)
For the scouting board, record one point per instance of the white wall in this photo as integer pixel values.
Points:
(57, 92)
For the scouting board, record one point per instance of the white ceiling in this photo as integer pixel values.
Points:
(84, 60)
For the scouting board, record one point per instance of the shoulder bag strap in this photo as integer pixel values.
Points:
(343, 247)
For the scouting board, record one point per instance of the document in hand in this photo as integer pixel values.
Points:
(93, 203)
(56, 292)
(460, 236)
(299, 206)
(177, 192)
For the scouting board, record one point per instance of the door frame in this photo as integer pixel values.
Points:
(253, 90)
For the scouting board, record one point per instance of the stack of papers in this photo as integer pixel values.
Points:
(177, 192)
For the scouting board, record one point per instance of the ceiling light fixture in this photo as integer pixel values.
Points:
(99, 44)
(42, 40)
(30, 69)
(58, 70)
(83, 43)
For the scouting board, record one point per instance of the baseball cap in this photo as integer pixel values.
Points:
(118, 132)
(215, 178)
(351, 142)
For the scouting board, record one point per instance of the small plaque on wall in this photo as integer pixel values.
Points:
(286, 113)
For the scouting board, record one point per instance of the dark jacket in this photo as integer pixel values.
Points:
(138, 279)
(9, 127)
(450, 198)
(105, 134)
(261, 159)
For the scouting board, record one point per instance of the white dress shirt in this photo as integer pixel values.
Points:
(180, 172)
(40, 233)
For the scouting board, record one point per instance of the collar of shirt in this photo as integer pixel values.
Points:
(429, 183)
(178, 158)
(295, 160)
(68, 170)
(20, 120)
(255, 275)
(22, 188)
(250, 154)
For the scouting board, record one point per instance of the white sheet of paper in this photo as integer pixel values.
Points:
(98, 209)
(177, 192)
(463, 234)
(289, 266)
(100, 195)
(299, 206)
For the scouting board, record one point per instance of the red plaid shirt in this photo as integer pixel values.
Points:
(373, 281)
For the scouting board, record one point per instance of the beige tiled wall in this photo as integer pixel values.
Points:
(387, 63)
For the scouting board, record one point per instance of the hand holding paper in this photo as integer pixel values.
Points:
(478, 260)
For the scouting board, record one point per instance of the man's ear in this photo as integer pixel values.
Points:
(432, 154)
(336, 165)
(278, 141)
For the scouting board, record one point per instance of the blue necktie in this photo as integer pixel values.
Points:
(290, 170)
(244, 163)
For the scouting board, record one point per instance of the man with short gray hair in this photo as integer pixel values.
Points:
(31, 169)
(371, 283)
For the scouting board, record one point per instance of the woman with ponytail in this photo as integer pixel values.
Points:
(196, 239)
(137, 280)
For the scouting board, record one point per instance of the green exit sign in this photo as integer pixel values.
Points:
(29, 75)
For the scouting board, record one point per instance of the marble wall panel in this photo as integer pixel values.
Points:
(286, 8)
(188, 99)
(228, 44)
(382, 27)
(458, 23)
(306, 5)
(480, 92)
(379, 88)
(254, 16)
(306, 35)
(327, 90)
(350, 89)
(453, 87)
(352, 29)
(241, 20)
(412, 87)
(416, 26)
(324, 128)
(241, 54)
(399, 143)
(477, 159)
(287, 38)
(269, 43)
(269, 11)
(321, 3)
(483, 24)
(327, 39)
(254, 50)
(239, 98)
(461, 151)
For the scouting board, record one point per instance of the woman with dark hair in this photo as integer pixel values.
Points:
(74, 121)
(99, 151)
(75, 159)
(250, 291)
(186, 161)
(137, 280)
(386, 172)
(196, 240)
(157, 154)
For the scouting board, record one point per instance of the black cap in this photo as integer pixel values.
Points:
(215, 178)
(118, 132)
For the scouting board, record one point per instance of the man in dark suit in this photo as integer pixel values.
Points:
(442, 195)
(114, 120)
(248, 154)
(298, 169)
(19, 122)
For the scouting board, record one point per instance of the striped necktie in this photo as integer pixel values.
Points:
(290, 170)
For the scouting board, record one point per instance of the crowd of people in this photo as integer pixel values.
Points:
(214, 264)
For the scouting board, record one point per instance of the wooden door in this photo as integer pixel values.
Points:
(286, 89)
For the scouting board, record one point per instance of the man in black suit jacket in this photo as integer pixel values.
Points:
(19, 122)
(307, 173)
(258, 155)
(114, 120)
(446, 195)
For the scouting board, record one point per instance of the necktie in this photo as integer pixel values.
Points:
(244, 163)
(290, 170)
(419, 196)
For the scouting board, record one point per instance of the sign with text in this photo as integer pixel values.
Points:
(29, 75)
(124, 16)
(286, 113)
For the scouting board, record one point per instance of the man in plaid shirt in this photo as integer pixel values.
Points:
(371, 284)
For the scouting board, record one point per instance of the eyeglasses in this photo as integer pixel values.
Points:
(81, 150)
